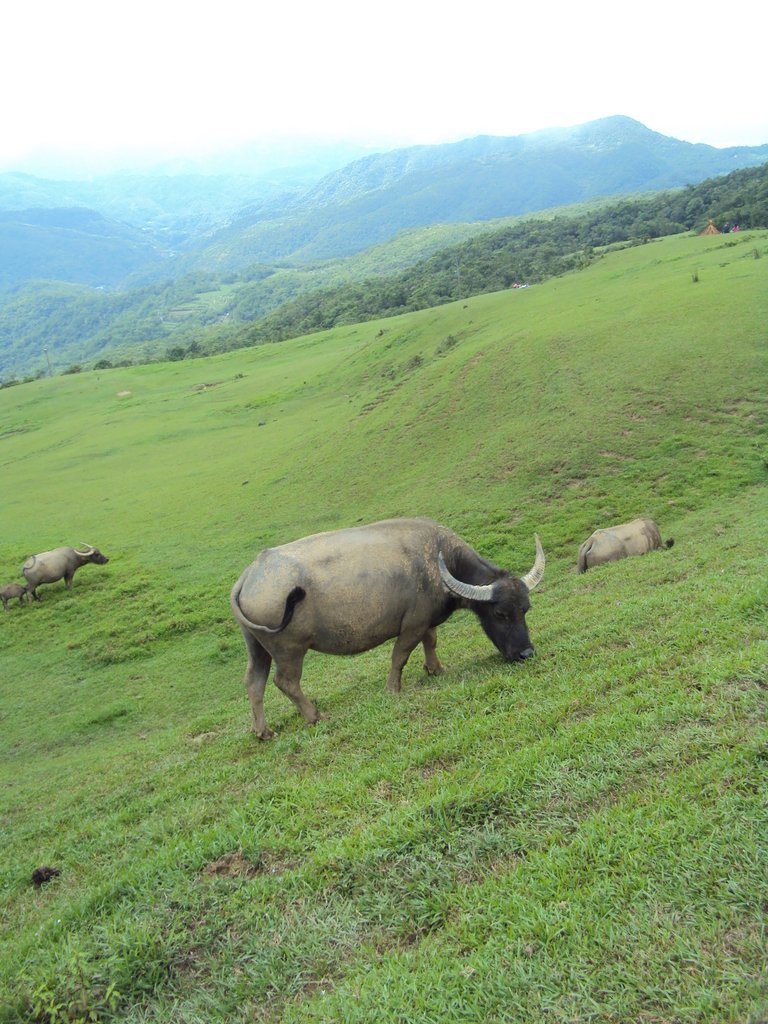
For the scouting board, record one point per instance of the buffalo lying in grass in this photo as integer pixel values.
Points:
(608, 545)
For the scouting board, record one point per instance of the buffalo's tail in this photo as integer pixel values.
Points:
(293, 598)
(581, 565)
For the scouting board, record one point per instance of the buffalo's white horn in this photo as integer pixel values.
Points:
(534, 576)
(465, 590)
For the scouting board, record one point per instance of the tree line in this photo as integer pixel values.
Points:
(525, 253)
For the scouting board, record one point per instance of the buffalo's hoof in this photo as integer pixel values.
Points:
(265, 734)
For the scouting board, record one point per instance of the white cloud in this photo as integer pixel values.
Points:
(88, 75)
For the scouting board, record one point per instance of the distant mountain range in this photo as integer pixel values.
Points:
(161, 226)
(614, 154)
(72, 244)
(482, 179)
(135, 236)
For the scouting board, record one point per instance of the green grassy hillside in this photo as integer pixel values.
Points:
(581, 837)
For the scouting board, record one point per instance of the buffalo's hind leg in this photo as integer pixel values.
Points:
(256, 674)
(288, 679)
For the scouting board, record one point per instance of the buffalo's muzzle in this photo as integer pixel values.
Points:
(527, 652)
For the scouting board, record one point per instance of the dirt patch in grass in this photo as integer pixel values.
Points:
(198, 739)
(606, 454)
(16, 430)
(237, 865)
(232, 865)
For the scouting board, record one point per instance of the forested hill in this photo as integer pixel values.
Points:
(525, 253)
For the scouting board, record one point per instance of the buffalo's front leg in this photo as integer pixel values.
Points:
(401, 652)
(432, 662)
(256, 674)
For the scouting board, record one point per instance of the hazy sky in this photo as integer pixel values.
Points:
(89, 76)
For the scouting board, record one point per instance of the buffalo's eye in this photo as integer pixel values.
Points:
(500, 614)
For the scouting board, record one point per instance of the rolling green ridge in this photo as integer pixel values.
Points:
(580, 838)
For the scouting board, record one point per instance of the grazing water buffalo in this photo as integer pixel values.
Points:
(61, 563)
(11, 590)
(350, 590)
(635, 538)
